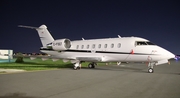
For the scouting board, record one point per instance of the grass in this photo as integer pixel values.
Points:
(38, 64)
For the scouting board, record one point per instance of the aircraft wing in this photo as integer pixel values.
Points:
(90, 59)
(55, 58)
(35, 56)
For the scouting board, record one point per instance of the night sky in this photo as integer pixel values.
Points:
(155, 20)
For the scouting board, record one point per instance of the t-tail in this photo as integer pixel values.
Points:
(44, 34)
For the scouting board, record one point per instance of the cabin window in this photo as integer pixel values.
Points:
(105, 45)
(112, 45)
(93, 46)
(99, 46)
(87, 46)
(82, 46)
(119, 45)
(77, 46)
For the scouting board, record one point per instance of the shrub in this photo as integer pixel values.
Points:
(19, 58)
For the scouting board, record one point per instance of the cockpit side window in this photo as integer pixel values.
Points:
(140, 43)
(150, 43)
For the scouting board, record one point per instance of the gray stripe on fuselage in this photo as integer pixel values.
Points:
(110, 52)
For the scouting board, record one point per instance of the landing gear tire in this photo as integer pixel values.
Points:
(77, 65)
(92, 65)
(76, 68)
(150, 70)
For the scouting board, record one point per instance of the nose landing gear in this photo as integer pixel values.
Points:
(150, 69)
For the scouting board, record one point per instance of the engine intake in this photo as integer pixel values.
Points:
(61, 44)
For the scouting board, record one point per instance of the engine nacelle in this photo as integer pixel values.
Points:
(61, 44)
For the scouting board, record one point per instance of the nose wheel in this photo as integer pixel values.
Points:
(150, 70)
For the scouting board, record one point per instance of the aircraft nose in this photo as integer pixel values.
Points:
(166, 54)
(170, 55)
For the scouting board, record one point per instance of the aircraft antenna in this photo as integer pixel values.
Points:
(119, 36)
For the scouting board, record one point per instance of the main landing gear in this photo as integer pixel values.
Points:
(92, 65)
(77, 65)
(150, 69)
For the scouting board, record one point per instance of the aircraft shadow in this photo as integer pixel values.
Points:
(17, 95)
(130, 69)
(110, 68)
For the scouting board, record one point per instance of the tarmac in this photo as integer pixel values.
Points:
(124, 81)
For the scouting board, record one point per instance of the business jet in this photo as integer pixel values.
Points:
(120, 49)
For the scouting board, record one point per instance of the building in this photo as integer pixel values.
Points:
(6, 55)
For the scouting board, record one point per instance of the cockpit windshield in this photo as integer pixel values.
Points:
(138, 43)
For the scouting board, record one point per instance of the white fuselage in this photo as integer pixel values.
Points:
(126, 49)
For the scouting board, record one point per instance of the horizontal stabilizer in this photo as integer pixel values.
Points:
(30, 27)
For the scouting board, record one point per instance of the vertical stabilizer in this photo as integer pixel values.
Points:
(44, 34)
